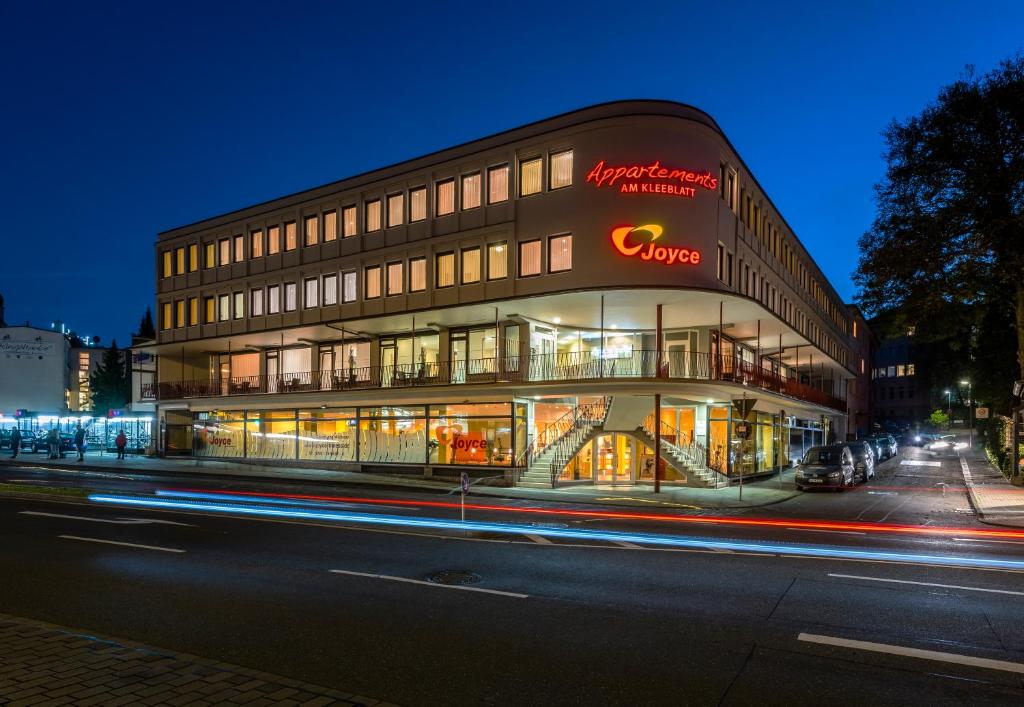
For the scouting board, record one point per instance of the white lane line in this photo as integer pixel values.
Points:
(114, 542)
(927, 584)
(539, 539)
(118, 521)
(626, 544)
(914, 653)
(918, 462)
(984, 540)
(823, 530)
(431, 584)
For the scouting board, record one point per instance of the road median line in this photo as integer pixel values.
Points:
(940, 656)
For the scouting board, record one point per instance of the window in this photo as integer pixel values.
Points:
(239, 248)
(167, 269)
(311, 296)
(166, 314)
(529, 258)
(445, 193)
(417, 274)
(471, 191)
(291, 296)
(211, 255)
(348, 222)
(470, 265)
(273, 299)
(193, 257)
(497, 261)
(561, 170)
(312, 230)
(560, 253)
(372, 216)
(330, 289)
(211, 310)
(225, 252)
(395, 278)
(223, 308)
(910, 369)
(273, 240)
(444, 270)
(179, 313)
(418, 204)
(349, 286)
(529, 177)
(396, 210)
(179, 261)
(290, 239)
(371, 285)
(256, 302)
(497, 184)
(330, 226)
(193, 311)
(256, 244)
(239, 305)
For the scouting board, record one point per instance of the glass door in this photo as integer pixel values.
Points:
(387, 363)
(459, 354)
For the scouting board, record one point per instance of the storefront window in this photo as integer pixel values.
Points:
(581, 468)
(270, 434)
(218, 435)
(458, 439)
(392, 435)
(718, 438)
(327, 435)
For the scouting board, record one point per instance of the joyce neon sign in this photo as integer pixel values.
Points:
(652, 179)
(624, 241)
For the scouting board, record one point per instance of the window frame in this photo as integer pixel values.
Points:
(479, 190)
(293, 288)
(387, 209)
(551, 172)
(256, 249)
(238, 298)
(504, 255)
(306, 282)
(255, 311)
(413, 262)
(366, 215)
(366, 282)
(463, 252)
(313, 219)
(223, 312)
(345, 211)
(330, 217)
(438, 213)
(344, 285)
(553, 238)
(238, 248)
(412, 192)
(333, 277)
(519, 258)
(438, 285)
(508, 173)
(291, 235)
(540, 182)
(388, 279)
(274, 299)
(274, 240)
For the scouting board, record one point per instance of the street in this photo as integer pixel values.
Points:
(545, 618)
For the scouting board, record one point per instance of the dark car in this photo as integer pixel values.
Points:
(5, 440)
(830, 466)
(40, 443)
(863, 459)
(884, 446)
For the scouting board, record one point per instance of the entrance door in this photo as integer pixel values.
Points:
(543, 350)
(387, 363)
(679, 359)
(614, 459)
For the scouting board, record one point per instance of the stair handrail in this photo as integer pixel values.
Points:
(565, 447)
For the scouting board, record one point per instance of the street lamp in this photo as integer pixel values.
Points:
(970, 412)
(949, 409)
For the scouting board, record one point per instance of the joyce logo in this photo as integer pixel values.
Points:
(652, 179)
(629, 241)
(468, 443)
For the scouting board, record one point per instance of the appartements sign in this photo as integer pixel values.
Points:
(652, 178)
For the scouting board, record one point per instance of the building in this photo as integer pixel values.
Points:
(509, 307)
(901, 392)
(34, 373)
(865, 344)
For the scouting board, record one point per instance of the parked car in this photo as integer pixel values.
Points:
(863, 459)
(40, 444)
(830, 466)
(878, 448)
(885, 447)
(26, 440)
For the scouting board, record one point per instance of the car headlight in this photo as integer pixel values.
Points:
(834, 475)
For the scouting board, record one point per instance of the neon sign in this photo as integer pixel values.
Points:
(666, 255)
(652, 179)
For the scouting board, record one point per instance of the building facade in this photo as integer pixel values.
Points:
(509, 307)
(901, 392)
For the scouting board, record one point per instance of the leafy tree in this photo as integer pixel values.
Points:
(146, 328)
(110, 383)
(945, 249)
(939, 419)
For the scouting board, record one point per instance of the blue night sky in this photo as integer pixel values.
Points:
(119, 121)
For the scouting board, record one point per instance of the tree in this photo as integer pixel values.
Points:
(945, 249)
(110, 383)
(939, 419)
(146, 328)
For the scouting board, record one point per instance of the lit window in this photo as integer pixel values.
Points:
(395, 276)
(168, 268)
(312, 230)
(348, 222)
(312, 294)
(560, 253)
(166, 316)
(223, 308)
(445, 193)
(290, 237)
(211, 310)
(561, 170)
(256, 302)
(373, 215)
(193, 311)
(330, 290)
(471, 191)
(273, 299)
(396, 209)
(497, 184)
(179, 312)
(444, 273)
(193, 257)
(418, 204)
(901, 371)
(239, 248)
(910, 369)
(862, 366)
(497, 261)
(211, 255)
(225, 252)
(273, 240)
(470, 266)
(529, 176)
(349, 286)
(256, 244)
(529, 258)
(371, 287)
(239, 305)
(291, 296)
(330, 226)
(179, 261)
(417, 274)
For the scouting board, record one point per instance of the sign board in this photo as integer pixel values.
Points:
(639, 242)
(742, 430)
(981, 413)
(744, 405)
(652, 178)
(464, 482)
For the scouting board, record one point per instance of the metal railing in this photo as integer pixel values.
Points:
(695, 453)
(585, 418)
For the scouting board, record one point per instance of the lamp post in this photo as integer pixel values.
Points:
(970, 413)
(949, 409)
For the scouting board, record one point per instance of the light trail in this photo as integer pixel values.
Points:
(767, 548)
(614, 515)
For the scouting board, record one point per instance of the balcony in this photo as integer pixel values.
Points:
(569, 367)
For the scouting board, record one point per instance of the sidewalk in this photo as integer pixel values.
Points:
(52, 665)
(763, 492)
(994, 498)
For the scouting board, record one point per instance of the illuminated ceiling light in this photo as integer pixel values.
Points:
(536, 397)
(710, 401)
(557, 320)
(614, 326)
(965, 382)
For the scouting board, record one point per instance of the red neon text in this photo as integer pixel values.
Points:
(631, 175)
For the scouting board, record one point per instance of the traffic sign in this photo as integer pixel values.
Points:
(981, 413)
(464, 481)
(744, 405)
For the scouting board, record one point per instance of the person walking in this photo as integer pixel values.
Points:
(121, 441)
(80, 442)
(15, 442)
(53, 443)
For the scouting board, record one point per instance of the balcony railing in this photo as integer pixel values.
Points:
(537, 368)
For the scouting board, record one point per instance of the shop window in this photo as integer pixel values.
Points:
(396, 210)
(395, 278)
(445, 194)
(167, 270)
(529, 258)
(291, 241)
(330, 226)
(497, 261)
(392, 439)
(471, 191)
(273, 240)
(311, 295)
(371, 283)
(291, 296)
(330, 290)
(561, 170)
(223, 308)
(312, 230)
(417, 274)
(274, 299)
(256, 302)
(417, 204)
(372, 216)
(470, 265)
(497, 184)
(349, 286)
(348, 222)
(239, 309)
(328, 435)
(463, 440)
(530, 176)
(560, 253)
(444, 271)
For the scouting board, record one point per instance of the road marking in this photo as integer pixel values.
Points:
(914, 653)
(928, 584)
(515, 595)
(539, 539)
(983, 540)
(626, 544)
(918, 462)
(114, 542)
(819, 530)
(117, 521)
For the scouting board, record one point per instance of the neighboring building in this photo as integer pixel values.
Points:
(901, 394)
(865, 344)
(509, 307)
(34, 371)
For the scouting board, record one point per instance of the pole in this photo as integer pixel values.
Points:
(743, 446)
(970, 404)
(657, 442)
(601, 365)
(657, 342)
(718, 347)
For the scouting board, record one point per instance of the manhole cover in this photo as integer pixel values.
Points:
(456, 577)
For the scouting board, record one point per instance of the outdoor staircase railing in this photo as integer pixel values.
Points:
(585, 418)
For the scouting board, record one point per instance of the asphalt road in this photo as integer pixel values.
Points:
(563, 620)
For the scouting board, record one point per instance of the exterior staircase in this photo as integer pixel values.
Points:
(689, 460)
(560, 442)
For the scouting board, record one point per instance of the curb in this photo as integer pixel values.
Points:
(981, 515)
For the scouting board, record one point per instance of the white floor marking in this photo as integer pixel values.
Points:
(118, 521)
(825, 530)
(431, 584)
(984, 540)
(918, 462)
(914, 653)
(627, 544)
(114, 542)
(539, 539)
(928, 584)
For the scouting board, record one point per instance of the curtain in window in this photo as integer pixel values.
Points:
(561, 169)
(445, 270)
(560, 253)
(349, 285)
(445, 197)
(349, 221)
(417, 204)
(290, 242)
(471, 191)
(373, 215)
(330, 290)
(529, 177)
(497, 184)
(372, 287)
(256, 303)
(312, 236)
(290, 296)
(312, 298)
(394, 278)
(497, 261)
(529, 258)
(471, 265)
(273, 240)
(295, 360)
(247, 364)
(417, 275)
(396, 209)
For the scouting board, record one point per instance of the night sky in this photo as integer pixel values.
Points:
(118, 122)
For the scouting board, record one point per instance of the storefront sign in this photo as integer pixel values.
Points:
(652, 179)
(624, 240)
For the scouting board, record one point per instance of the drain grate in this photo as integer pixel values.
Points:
(453, 577)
